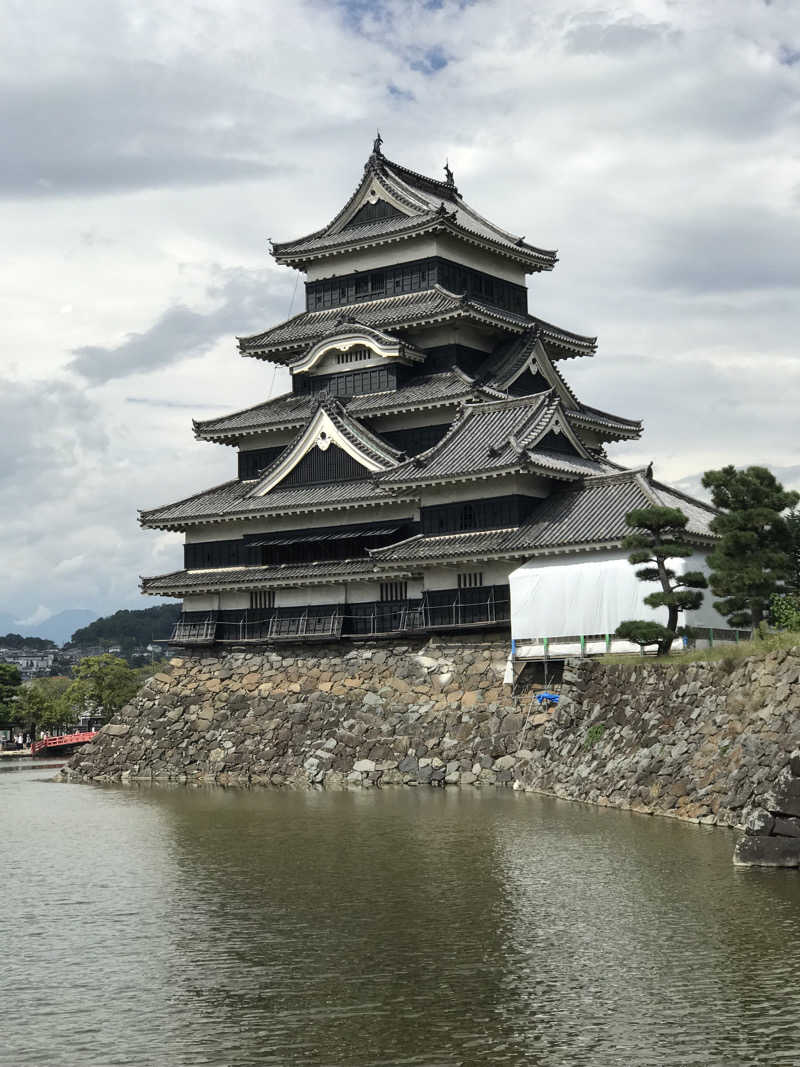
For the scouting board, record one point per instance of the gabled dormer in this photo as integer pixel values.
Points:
(332, 447)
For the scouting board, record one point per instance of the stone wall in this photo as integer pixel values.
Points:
(698, 741)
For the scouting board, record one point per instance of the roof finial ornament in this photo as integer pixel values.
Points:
(376, 145)
(649, 472)
(448, 174)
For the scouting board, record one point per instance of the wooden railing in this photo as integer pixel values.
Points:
(60, 742)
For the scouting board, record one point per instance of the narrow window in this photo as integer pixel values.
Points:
(470, 580)
(394, 590)
(262, 598)
(468, 520)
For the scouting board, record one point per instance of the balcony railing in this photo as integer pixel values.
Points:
(194, 633)
(445, 609)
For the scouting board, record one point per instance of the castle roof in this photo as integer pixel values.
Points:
(583, 517)
(282, 343)
(589, 515)
(292, 410)
(501, 437)
(392, 203)
(234, 500)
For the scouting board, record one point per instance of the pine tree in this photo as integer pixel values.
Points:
(754, 556)
(660, 535)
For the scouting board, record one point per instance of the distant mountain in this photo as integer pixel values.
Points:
(59, 627)
(56, 628)
(130, 628)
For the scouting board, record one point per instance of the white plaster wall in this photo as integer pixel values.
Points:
(309, 594)
(455, 333)
(495, 572)
(412, 419)
(363, 592)
(488, 487)
(268, 440)
(233, 600)
(210, 602)
(416, 248)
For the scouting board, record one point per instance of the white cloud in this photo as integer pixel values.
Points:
(39, 615)
(156, 147)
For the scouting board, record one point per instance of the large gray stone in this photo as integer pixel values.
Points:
(767, 852)
(759, 821)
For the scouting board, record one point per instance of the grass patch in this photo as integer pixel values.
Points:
(593, 734)
(731, 655)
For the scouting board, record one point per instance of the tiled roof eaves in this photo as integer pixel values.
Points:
(279, 502)
(419, 394)
(390, 231)
(622, 427)
(177, 583)
(424, 308)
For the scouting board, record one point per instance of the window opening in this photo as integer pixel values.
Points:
(470, 580)
(468, 520)
(262, 598)
(394, 590)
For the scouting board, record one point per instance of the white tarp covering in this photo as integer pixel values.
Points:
(591, 593)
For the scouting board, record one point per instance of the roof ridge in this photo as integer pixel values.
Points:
(439, 185)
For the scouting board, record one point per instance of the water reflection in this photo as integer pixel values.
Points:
(203, 926)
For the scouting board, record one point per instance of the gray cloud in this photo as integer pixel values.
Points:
(620, 36)
(740, 249)
(133, 126)
(247, 300)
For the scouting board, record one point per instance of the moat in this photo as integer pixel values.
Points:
(157, 925)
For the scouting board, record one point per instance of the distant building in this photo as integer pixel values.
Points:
(36, 664)
(429, 446)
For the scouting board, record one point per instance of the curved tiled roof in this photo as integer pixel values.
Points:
(391, 312)
(428, 205)
(495, 437)
(291, 410)
(178, 583)
(232, 500)
(363, 439)
(589, 515)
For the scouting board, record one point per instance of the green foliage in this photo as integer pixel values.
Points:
(42, 705)
(593, 734)
(792, 520)
(757, 553)
(37, 644)
(10, 682)
(644, 632)
(101, 686)
(784, 611)
(129, 629)
(659, 534)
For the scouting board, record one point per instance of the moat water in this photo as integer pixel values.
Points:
(171, 926)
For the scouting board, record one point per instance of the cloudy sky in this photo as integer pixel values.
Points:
(151, 148)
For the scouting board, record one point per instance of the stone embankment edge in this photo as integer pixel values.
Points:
(705, 742)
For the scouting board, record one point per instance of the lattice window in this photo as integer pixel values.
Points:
(394, 590)
(262, 598)
(470, 580)
(354, 355)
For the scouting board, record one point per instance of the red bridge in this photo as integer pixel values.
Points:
(50, 744)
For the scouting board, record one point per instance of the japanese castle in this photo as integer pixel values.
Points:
(429, 447)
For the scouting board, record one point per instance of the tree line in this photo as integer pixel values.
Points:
(100, 686)
(754, 564)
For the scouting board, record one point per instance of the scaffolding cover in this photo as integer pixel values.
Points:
(591, 593)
